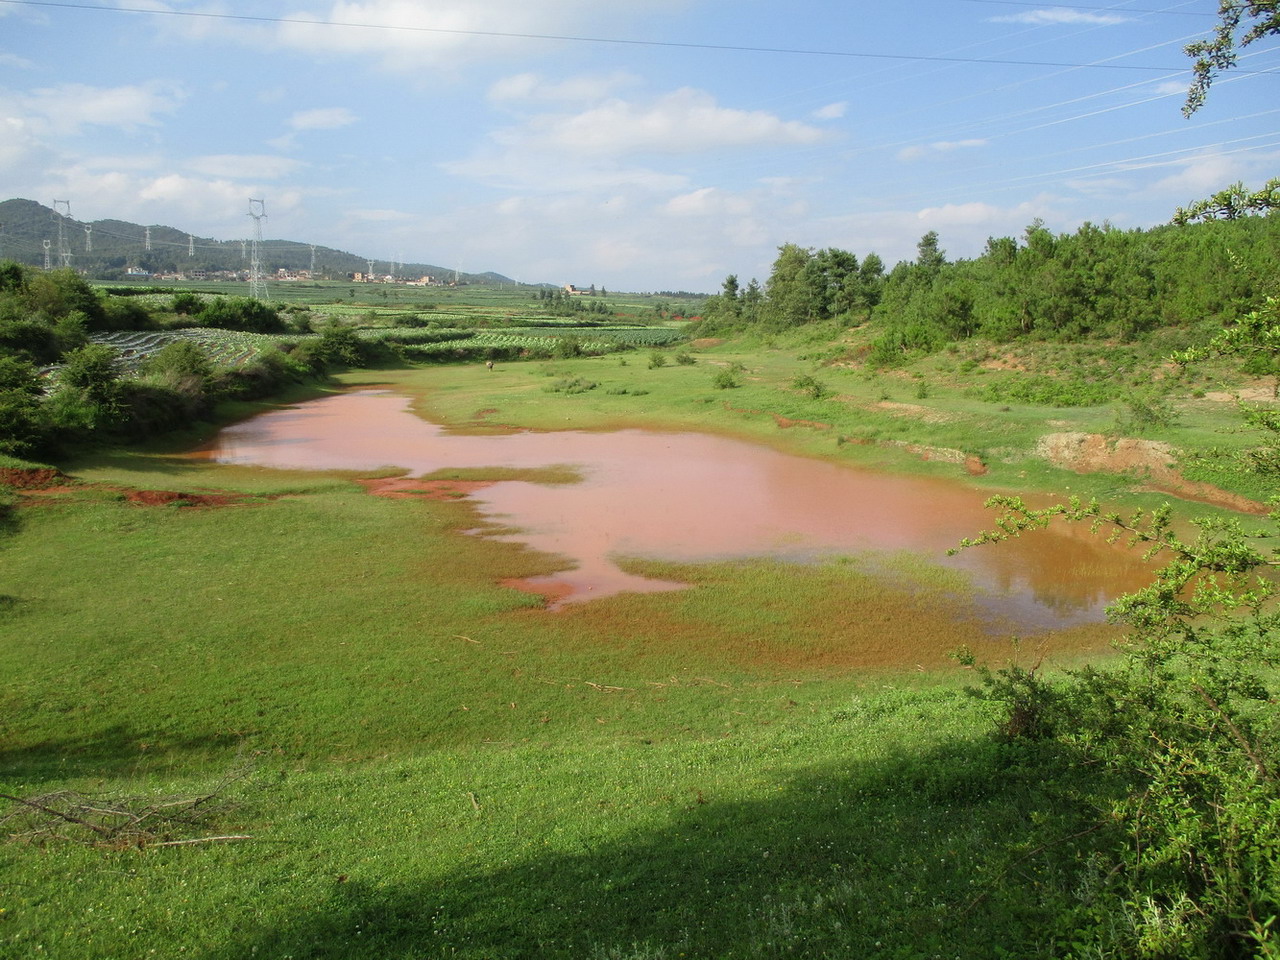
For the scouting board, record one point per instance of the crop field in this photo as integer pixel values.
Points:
(225, 348)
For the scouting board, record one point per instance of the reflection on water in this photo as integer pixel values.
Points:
(696, 497)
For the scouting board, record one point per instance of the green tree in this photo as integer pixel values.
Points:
(88, 394)
(20, 422)
(930, 258)
(793, 295)
(1230, 203)
(1240, 23)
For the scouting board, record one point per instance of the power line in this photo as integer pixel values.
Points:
(1076, 6)
(620, 41)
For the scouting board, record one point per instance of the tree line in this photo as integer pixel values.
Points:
(1099, 281)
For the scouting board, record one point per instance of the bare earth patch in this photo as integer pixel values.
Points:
(1247, 394)
(915, 411)
(31, 479)
(1152, 460)
(158, 498)
(49, 489)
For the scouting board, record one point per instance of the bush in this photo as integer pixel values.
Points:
(1142, 412)
(571, 385)
(180, 359)
(241, 313)
(565, 348)
(186, 303)
(31, 340)
(21, 428)
(810, 385)
(725, 379)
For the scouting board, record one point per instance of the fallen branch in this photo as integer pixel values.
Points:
(118, 822)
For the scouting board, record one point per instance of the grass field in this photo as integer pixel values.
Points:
(434, 766)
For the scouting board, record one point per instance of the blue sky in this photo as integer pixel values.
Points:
(479, 134)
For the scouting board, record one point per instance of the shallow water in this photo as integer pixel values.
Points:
(696, 497)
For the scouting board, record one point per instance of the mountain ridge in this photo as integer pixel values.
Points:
(110, 247)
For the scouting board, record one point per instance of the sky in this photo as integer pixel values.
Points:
(640, 145)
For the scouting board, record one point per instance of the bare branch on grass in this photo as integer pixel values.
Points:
(119, 823)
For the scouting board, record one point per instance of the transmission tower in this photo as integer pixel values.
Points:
(257, 285)
(1, 241)
(191, 245)
(312, 271)
(147, 235)
(88, 238)
(62, 213)
(369, 276)
(244, 254)
(47, 245)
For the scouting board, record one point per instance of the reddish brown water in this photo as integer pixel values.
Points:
(695, 497)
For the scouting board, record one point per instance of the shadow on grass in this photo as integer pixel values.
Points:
(895, 859)
(115, 752)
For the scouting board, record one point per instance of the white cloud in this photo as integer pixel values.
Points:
(18, 147)
(13, 60)
(939, 146)
(322, 118)
(208, 206)
(550, 173)
(960, 214)
(1205, 174)
(708, 201)
(378, 216)
(583, 89)
(684, 121)
(1171, 87)
(1059, 15)
(67, 108)
(244, 166)
(409, 35)
(832, 111)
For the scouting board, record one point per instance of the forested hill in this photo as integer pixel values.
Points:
(1098, 281)
(111, 246)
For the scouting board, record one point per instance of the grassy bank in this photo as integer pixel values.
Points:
(438, 767)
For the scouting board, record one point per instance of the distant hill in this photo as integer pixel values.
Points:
(111, 247)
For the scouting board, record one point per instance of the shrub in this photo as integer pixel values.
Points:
(657, 360)
(725, 379)
(1141, 412)
(241, 313)
(178, 360)
(21, 429)
(811, 385)
(186, 303)
(566, 347)
(571, 385)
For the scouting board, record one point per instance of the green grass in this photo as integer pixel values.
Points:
(779, 761)
(444, 769)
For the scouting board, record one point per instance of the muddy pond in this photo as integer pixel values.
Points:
(691, 497)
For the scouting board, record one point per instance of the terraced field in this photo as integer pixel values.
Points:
(226, 348)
